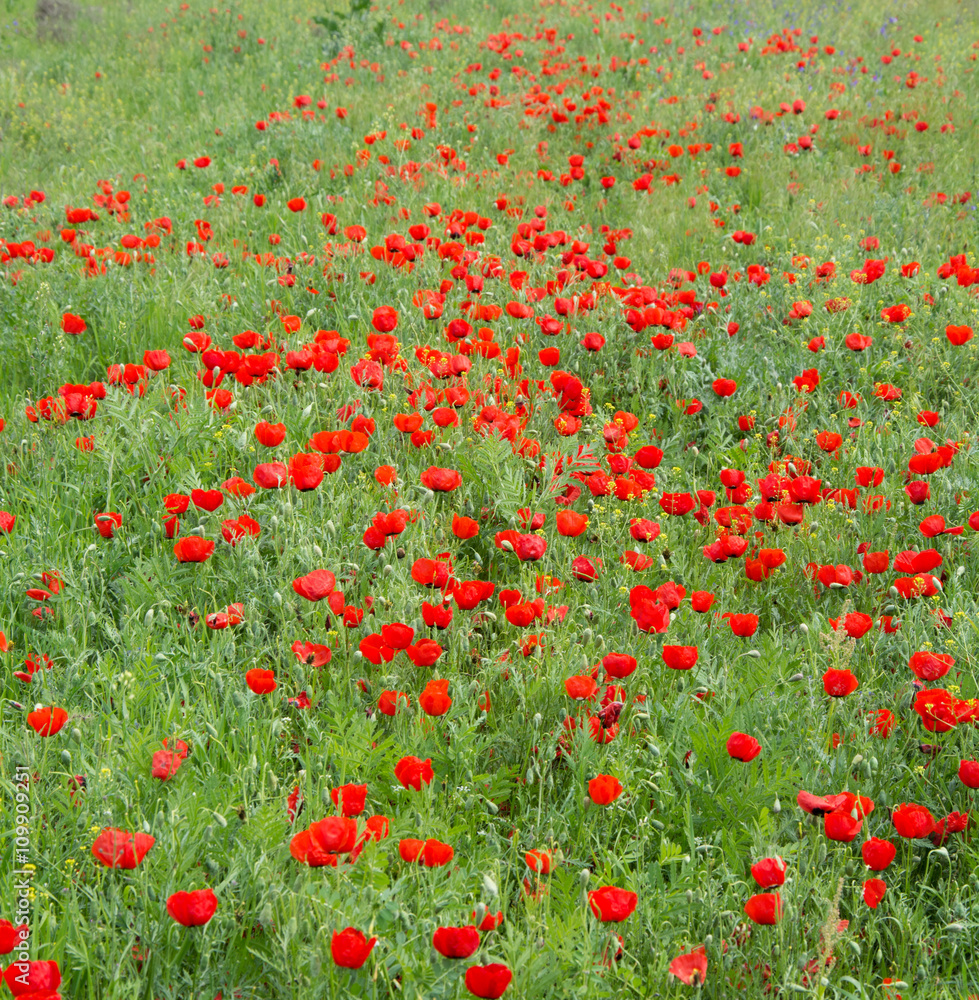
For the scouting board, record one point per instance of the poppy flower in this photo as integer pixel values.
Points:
(412, 772)
(437, 615)
(11, 937)
(839, 683)
(166, 762)
(680, 657)
(581, 687)
(764, 908)
(47, 721)
(436, 854)
(441, 480)
(611, 904)
(691, 967)
(271, 475)
(769, 872)
(72, 324)
(316, 585)
(270, 435)
(743, 625)
(873, 891)
(193, 549)
(677, 504)
(121, 849)
(855, 624)
(465, 527)
(261, 681)
(435, 700)
(742, 747)
(106, 523)
(456, 942)
(389, 702)
(539, 861)
(384, 319)
(488, 981)
(350, 948)
(604, 789)
(877, 854)
(841, 826)
(701, 601)
(490, 922)
(38, 981)
(930, 666)
(969, 773)
(410, 849)
(424, 653)
(192, 909)
(350, 799)
(958, 335)
(619, 665)
(912, 821)
(311, 653)
(571, 524)
(334, 834)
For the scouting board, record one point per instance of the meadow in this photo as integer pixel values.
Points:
(488, 499)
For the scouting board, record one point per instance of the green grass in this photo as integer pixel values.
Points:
(113, 107)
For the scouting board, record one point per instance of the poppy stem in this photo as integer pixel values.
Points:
(829, 725)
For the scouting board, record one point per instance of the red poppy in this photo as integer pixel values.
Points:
(743, 747)
(701, 601)
(33, 980)
(11, 937)
(877, 854)
(193, 549)
(441, 480)
(389, 702)
(412, 772)
(192, 909)
(208, 500)
(271, 475)
(73, 324)
(435, 700)
(840, 825)
(912, 821)
(742, 625)
(958, 335)
(334, 834)
(855, 624)
(929, 666)
(611, 904)
(839, 683)
(873, 891)
(691, 967)
(311, 653)
(619, 665)
(680, 657)
(604, 789)
(764, 908)
(47, 721)
(350, 799)
(261, 681)
(539, 861)
(350, 948)
(436, 854)
(769, 872)
(316, 585)
(456, 942)
(121, 849)
(488, 981)
(106, 523)
(424, 653)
